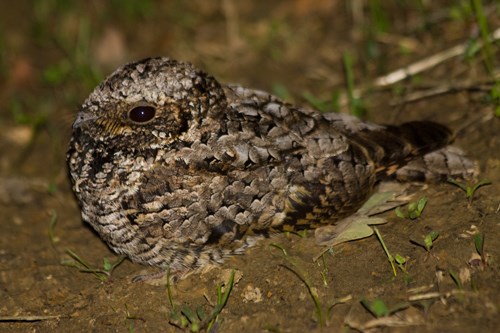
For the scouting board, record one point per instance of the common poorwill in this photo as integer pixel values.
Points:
(179, 171)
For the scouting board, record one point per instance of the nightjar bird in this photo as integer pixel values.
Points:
(179, 171)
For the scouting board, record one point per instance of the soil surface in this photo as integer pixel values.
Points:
(52, 54)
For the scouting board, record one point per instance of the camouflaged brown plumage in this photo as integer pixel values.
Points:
(178, 171)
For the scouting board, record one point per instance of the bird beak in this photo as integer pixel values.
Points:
(82, 118)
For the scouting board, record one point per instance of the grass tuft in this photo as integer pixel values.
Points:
(469, 189)
(197, 320)
(386, 250)
(414, 209)
(103, 274)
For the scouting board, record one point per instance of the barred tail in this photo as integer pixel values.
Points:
(416, 151)
(439, 165)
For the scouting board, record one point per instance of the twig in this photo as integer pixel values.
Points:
(27, 318)
(427, 63)
(437, 294)
(419, 67)
(430, 295)
(390, 321)
(446, 89)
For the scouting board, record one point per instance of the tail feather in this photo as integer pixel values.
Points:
(423, 136)
(439, 165)
(415, 151)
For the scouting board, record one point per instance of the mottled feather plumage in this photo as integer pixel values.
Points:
(218, 165)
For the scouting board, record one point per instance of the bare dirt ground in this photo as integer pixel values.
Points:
(52, 54)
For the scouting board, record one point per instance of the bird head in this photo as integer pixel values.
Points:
(149, 103)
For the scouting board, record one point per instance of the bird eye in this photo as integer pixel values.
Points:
(142, 113)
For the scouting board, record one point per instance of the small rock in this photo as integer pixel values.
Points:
(251, 294)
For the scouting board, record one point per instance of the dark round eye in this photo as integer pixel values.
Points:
(142, 113)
